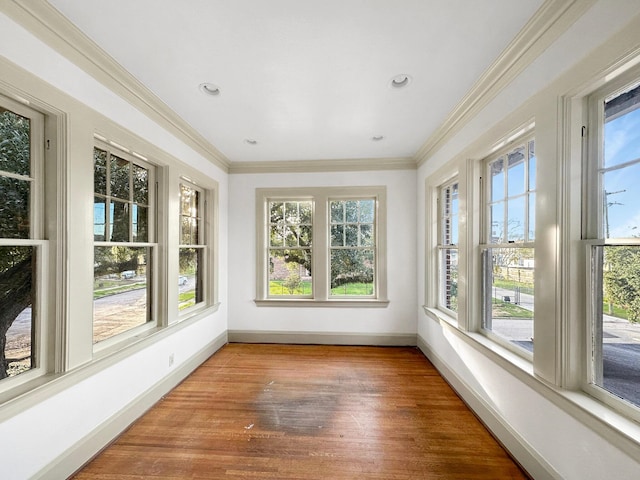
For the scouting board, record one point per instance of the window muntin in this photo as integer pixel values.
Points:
(615, 246)
(508, 256)
(123, 249)
(448, 247)
(21, 243)
(352, 253)
(290, 251)
(192, 251)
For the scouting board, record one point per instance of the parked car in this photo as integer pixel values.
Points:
(182, 280)
(128, 274)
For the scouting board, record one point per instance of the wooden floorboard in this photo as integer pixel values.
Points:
(307, 412)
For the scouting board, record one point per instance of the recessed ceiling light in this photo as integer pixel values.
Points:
(400, 81)
(377, 138)
(209, 89)
(250, 141)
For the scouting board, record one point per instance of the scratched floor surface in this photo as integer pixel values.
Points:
(307, 412)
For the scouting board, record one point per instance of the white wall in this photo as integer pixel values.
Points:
(52, 431)
(555, 433)
(397, 318)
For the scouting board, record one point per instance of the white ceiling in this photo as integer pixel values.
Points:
(306, 79)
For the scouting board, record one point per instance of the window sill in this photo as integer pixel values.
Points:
(618, 429)
(304, 302)
(439, 315)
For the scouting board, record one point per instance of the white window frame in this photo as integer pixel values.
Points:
(320, 197)
(595, 238)
(45, 321)
(153, 263)
(486, 232)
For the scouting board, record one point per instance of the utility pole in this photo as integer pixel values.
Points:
(608, 204)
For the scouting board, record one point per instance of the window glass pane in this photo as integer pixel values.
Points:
(140, 185)
(366, 235)
(99, 218)
(14, 208)
(352, 272)
(367, 209)
(305, 236)
(617, 339)
(516, 173)
(186, 237)
(351, 211)
(621, 216)
(15, 143)
(120, 290)
(622, 128)
(509, 294)
(351, 235)
(449, 278)
(497, 223)
(190, 283)
(17, 281)
(140, 224)
(276, 235)
(497, 180)
(337, 212)
(276, 212)
(119, 221)
(516, 219)
(290, 272)
(337, 235)
(291, 212)
(454, 199)
(306, 211)
(99, 171)
(291, 238)
(120, 170)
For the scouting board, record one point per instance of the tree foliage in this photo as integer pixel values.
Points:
(621, 278)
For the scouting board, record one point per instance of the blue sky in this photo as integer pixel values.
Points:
(621, 145)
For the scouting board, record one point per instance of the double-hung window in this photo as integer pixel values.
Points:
(613, 238)
(124, 242)
(23, 248)
(508, 252)
(448, 247)
(321, 244)
(193, 252)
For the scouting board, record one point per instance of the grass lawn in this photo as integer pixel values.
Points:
(502, 309)
(105, 292)
(276, 287)
(511, 285)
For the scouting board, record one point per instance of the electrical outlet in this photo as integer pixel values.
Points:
(171, 359)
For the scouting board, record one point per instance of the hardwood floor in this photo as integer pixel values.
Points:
(308, 412)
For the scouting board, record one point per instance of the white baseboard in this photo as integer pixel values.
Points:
(322, 338)
(523, 453)
(84, 450)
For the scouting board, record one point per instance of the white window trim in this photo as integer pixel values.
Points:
(320, 246)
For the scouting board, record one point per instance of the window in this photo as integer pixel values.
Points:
(321, 245)
(192, 257)
(508, 255)
(448, 247)
(23, 248)
(124, 247)
(613, 227)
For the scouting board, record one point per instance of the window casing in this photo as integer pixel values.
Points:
(448, 209)
(125, 249)
(321, 245)
(612, 233)
(24, 249)
(193, 251)
(507, 262)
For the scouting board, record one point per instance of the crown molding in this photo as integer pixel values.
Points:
(310, 166)
(49, 25)
(552, 19)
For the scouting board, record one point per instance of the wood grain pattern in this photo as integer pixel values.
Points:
(308, 412)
